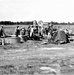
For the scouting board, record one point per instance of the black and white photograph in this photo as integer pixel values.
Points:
(36, 37)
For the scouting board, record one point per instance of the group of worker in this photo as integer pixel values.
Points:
(31, 31)
(34, 32)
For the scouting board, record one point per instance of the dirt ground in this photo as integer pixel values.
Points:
(27, 58)
(36, 58)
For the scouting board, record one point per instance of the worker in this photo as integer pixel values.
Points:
(2, 33)
(31, 32)
(17, 31)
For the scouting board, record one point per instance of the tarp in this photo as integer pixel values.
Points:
(61, 37)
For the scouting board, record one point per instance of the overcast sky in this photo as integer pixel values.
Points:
(28, 10)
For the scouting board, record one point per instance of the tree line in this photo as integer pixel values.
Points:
(62, 23)
(31, 22)
(16, 23)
